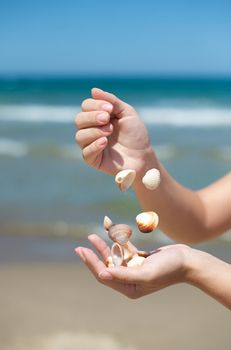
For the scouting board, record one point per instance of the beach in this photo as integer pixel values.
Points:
(46, 306)
(50, 200)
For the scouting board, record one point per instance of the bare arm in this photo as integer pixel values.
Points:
(121, 141)
(211, 275)
(185, 215)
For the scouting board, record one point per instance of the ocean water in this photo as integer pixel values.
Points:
(45, 187)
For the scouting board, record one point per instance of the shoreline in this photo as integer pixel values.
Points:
(48, 248)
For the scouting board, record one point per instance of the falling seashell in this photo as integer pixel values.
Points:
(120, 233)
(151, 179)
(125, 178)
(109, 262)
(107, 223)
(147, 221)
(136, 261)
(117, 254)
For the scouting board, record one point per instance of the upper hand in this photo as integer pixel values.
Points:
(166, 266)
(120, 141)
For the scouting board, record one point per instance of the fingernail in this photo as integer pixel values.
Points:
(107, 107)
(105, 275)
(101, 141)
(80, 253)
(107, 128)
(102, 117)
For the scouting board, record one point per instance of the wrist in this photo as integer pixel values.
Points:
(198, 267)
(147, 160)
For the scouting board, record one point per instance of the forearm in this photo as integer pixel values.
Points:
(211, 275)
(181, 211)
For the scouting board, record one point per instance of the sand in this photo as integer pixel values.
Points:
(48, 306)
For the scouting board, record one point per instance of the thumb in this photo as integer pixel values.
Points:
(119, 106)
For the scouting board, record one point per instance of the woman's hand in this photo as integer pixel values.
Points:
(166, 266)
(111, 134)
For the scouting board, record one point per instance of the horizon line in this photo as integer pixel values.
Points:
(88, 76)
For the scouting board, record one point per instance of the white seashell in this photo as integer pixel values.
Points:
(117, 254)
(147, 221)
(127, 254)
(136, 261)
(120, 233)
(109, 262)
(125, 178)
(107, 223)
(151, 179)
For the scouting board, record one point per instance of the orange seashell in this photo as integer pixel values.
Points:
(147, 221)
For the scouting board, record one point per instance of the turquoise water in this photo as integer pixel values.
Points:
(43, 178)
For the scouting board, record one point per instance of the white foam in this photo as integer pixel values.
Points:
(175, 116)
(71, 151)
(183, 116)
(13, 148)
(38, 113)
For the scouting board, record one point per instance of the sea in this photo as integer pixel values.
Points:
(50, 198)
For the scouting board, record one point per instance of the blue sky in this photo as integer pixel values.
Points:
(115, 37)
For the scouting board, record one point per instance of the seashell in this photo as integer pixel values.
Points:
(136, 261)
(145, 254)
(117, 254)
(151, 179)
(147, 221)
(109, 262)
(127, 253)
(125, 178)
(107, 223)
(120, 233)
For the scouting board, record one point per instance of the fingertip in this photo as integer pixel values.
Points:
(95, 90)
(105, 275)
(79, 251)
(91, 236)
(101, 142)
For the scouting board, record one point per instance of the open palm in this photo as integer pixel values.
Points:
(164, 267)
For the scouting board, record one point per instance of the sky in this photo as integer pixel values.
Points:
(120, 37)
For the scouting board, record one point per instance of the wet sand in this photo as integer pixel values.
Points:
(54, 306)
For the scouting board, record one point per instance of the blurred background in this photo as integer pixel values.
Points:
(172, 62)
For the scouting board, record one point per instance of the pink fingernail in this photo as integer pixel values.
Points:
(80, 253)
(107, 128)
(107, 107)
(105, 275)
(102, 141)
(102, 117)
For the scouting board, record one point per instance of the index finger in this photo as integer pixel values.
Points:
(96, 266)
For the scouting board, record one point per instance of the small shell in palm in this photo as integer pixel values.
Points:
(109, 262)
(107, 223)
(136, 261)
(117, 254)
(120, 233)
